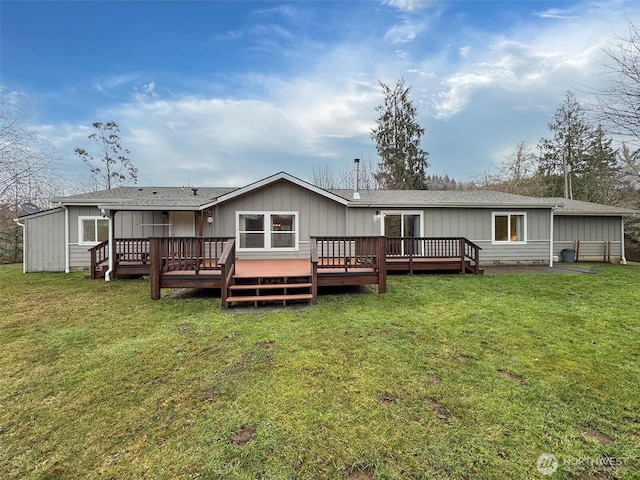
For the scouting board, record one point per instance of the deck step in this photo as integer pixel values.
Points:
(268, 275)
(265, 286)
(270, 298)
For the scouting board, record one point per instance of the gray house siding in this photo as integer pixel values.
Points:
(79, 257)
(140, 224)
(472, 223)
(592, 232)
(317, 215)
(44, 242)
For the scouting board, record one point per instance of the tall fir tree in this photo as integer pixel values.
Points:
(397, 136)
(564, 154)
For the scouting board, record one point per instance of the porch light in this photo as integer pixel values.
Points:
(209, 219)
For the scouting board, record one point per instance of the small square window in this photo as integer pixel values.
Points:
(509, 227)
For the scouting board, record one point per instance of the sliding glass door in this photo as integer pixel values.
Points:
(402, 224)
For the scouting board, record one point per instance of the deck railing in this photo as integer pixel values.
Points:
(189, 253)
(132, 250)
(99, 256)
(349, 254)
(192, 255)
(433, 248)
(126, 250)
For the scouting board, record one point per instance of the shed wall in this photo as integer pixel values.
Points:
(44, 242)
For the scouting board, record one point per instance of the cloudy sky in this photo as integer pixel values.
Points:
(224, 93)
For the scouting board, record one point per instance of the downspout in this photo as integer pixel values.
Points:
(66, 238)
(107, 275)
(24, 244)
(551, 238)
(623, 260)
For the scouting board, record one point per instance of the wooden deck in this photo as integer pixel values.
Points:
(210, 262)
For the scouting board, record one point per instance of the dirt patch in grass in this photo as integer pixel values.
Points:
(208, 351)
(209, 395)
(512, 376)
(466, 358)
(385, 398)
(359, 473)
(434, 379)
(244, 436)
(266, 345)
(596, 435)
(438, 409)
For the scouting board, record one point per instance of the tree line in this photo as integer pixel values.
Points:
(577, 160)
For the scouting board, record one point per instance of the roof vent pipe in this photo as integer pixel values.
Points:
(195, 191)
(356, 187)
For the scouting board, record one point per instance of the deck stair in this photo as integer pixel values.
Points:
(270, 288)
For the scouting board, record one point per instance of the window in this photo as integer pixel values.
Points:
(267, 230)
(93, 230)
(509, 227)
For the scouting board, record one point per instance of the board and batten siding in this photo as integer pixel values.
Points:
(474, 224)
(44, 242)
(592, 232)
(317, 215)
(79, 257)
(140, 224)
(126, 224)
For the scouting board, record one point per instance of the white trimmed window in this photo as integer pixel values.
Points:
(92, 230)
(267, 231)
(509, 227)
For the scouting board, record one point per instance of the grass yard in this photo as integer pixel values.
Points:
(447, 377)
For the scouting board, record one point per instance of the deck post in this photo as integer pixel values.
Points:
(463, 267)
(314, 271)
(154, 267)
(382, 265)
(94, 265)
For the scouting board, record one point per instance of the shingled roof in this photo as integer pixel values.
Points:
(192, 198)
(169, 198)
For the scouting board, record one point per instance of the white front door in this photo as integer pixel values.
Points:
(182, 224)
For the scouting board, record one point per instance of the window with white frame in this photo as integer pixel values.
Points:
(92, 230)
(267, 230)
(509, 227)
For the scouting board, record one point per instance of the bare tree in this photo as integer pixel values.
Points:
(112, 167)
(618, 98)
(329, 177)
(27, 174)
(516, 174)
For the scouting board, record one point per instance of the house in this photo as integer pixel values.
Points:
(284, 217)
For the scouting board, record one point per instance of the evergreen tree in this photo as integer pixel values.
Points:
(397, 136)
(564, 155)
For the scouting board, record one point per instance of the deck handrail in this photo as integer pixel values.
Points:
(227, 264)
(99, 255)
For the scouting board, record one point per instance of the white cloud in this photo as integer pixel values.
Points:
(409, 5)
(555, 13)
(406, 32)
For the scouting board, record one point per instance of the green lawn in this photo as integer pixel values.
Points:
(442, 377)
